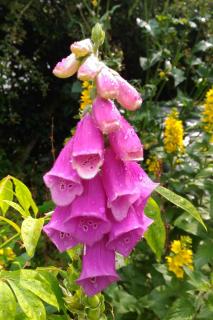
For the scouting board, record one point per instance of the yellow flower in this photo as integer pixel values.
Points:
(173, 133)
(154, 165)
(94, 3)
(176, 246)
(208, 113)
(162, 74)
(85, 95)
(181, 255)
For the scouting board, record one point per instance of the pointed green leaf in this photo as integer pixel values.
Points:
(6, 193)
(28, 302)
(7, 302)
(24, 196)
(30, 233)
(180, 202)
(17, 207)
(41, 289)
(11, 223)
(156, 233)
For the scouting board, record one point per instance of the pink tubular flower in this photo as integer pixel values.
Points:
(62, 180)
(98, 268)
(107, 85)
(124, 235)
(88, 148)
(87, 219)
(121, 187)
(128, 96)
(82, 48)
(105, 115)
(66, 67)
(126, 143)
(89, 68)
(147, 186)
(55, 230)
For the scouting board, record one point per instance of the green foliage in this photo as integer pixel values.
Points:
(156, 234)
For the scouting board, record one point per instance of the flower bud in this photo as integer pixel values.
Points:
(89, 68)
(105, 115)
(128, 97)
(107, 85)
(82, 48)
(66, 67)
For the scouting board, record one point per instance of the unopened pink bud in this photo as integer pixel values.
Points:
(66, 67)
(89, 69)
(105, 115)
(128, 97)
(107, 85)
(82, 48)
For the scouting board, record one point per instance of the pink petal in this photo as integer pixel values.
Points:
(55, 230)
(105, 115)
(82, 48)
(125, 142)
(125, 235)
(89, 68)
(98, 268)
(107, 85)
(66, 67)
(128, 96)
(62, 180)
(87, 219)
(121, 187)
(88, 147)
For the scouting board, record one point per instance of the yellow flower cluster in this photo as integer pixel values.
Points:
(173, 133)
(208, 112)
(154, 165)
(181, 255)
(94, 3)
(85, 99)
(6, 255)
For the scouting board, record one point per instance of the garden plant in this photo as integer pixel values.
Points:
(106, 160)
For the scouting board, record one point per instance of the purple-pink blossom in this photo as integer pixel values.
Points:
(96, 182)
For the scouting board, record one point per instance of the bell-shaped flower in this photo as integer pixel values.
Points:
(98, 268)
(124, 235)
(82, 48)
(121, 187)
(62, 180)
(67, 67)
(126, 143)
(88, 148)
(107, 85)
(105, 115)
(55, 230)
(128, 97)
(147, 186)
(89, 68)
(87, 219)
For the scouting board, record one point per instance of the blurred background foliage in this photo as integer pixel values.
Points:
(165, 49)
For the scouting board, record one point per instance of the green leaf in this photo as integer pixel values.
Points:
(181, 309)
(156, 233)
(6, 193)
(30, 233)
(24, 196)
(180, 202)
(41, 289)
(7, 302)
(17, 207)
(202, 46)
(178, 75)
(11, 223)
(29, 303)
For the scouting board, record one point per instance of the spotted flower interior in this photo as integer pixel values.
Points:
(99, 189)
